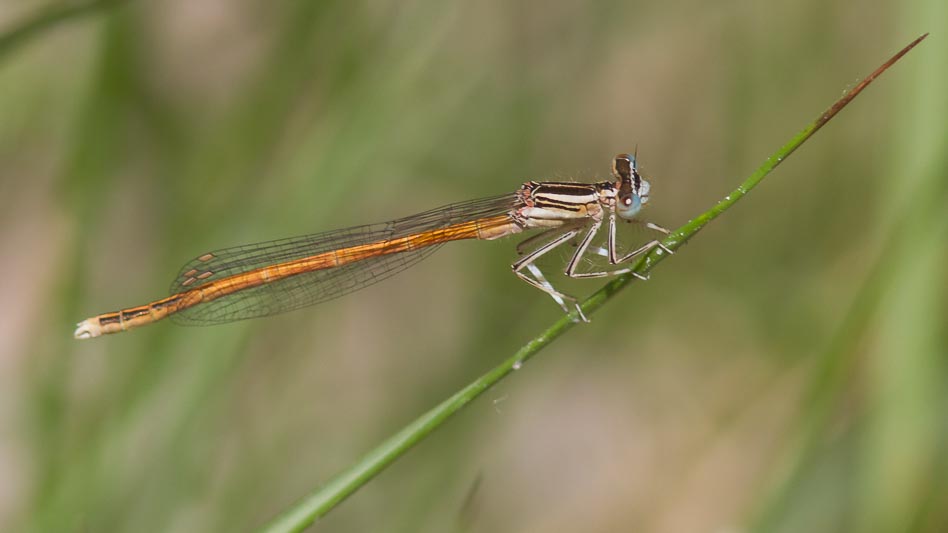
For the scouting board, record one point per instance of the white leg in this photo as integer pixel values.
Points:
(657, 228)
(548, 287)
(637, 252)
(610, 253)
(540, 282)
(527, 243)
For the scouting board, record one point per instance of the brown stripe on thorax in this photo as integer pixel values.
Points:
(564, 188)
(572, 197)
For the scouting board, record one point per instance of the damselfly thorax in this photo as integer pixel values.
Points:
(273, 277)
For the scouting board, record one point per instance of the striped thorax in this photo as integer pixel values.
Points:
(549, 204)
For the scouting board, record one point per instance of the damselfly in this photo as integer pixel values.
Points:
(272, 277)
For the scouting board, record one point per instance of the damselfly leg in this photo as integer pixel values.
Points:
(524, 245)
(539, 281)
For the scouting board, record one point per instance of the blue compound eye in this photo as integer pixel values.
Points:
(628, 205)
(633, 190)
(630, 201)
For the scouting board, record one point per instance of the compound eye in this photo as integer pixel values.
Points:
(628, 205)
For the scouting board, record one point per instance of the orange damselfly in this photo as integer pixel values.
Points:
(273, 277)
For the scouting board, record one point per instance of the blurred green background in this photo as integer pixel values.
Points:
(785, 371)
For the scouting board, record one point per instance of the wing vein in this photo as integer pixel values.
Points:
(280, 294)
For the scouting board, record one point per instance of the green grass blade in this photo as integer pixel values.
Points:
(306, 511)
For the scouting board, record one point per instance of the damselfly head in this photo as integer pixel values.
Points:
(633, 190)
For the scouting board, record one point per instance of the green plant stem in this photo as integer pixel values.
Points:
(306, 511)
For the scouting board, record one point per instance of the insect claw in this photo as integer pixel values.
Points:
(658, 228)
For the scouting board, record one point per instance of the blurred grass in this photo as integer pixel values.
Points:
(140, 137)
(48, 19)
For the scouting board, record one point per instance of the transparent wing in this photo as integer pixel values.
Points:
(309, 288)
